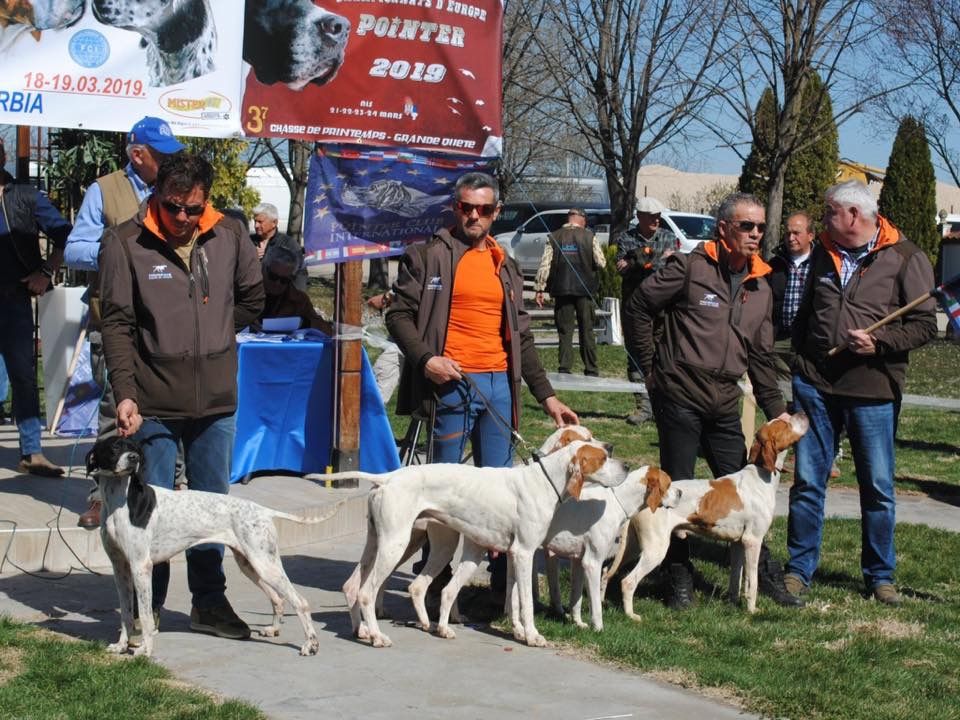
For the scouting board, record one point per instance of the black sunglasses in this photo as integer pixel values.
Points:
(485, 210)
(189, 210)
(749, 225)
(282, 279)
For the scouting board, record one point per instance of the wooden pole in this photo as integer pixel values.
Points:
(889, 318)
(346, 441)
(23, 153)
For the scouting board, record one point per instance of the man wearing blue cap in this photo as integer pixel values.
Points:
(109, 201)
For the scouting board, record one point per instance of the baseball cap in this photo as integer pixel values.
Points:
(650, 205)
(157, 134)
(577, 211)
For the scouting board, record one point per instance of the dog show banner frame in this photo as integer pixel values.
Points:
(101, 66)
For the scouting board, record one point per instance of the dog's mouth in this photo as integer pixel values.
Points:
(321, 76)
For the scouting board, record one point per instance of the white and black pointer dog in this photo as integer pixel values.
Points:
(143, 525)
(293, 42)
(179, 36)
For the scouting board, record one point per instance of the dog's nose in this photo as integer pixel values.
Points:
(608, 448)
(334, 26)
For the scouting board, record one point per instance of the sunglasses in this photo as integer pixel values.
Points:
(282, 279)
(485, 210)
(188, 210)
(748, 226)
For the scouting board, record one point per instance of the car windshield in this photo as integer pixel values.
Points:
(695, 227)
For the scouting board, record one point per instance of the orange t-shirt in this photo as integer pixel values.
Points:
(474, 337)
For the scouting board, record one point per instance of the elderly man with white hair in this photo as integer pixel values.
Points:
(863, 270)
(266, 235)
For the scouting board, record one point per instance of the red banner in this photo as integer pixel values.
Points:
(412, 73)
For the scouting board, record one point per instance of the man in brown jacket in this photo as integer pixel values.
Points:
(864, 270)
(176, 282)
(716, 307)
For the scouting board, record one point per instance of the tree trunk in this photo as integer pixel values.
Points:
(771, 238)
(299, 154)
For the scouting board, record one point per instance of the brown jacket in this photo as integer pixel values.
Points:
(895, 272)
(418, 316)
(169, 332)
(709, 339)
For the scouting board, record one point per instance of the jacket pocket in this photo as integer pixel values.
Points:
(218, 380)
(166, 384)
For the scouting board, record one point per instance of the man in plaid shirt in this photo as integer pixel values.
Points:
(788, 280)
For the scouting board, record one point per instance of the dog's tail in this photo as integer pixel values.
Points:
(375, 478)
(621, 549)
(325, 514)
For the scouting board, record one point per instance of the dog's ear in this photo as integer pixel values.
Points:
(587, 460)
(91, 462)
(658, 482)
(770, 455)
(574, 479)
(755, 449)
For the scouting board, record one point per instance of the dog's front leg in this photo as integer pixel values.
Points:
(523, 575)
(143, 582)
(124, 582)
(591, 567)
(469, 560)
(576, 592)
(751, 559)
(652, 552)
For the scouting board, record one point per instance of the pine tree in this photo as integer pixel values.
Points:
(755, 177)
(814, 168)
(909, 195)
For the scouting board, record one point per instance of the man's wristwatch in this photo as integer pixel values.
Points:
(45, 269)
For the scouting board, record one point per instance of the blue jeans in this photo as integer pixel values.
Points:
(208, 447)
(870, 426)
(462, 413)
(16, 347)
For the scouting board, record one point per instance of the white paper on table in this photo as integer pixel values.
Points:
(281, 324)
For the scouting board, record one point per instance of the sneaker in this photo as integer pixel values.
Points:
(220, 620)
(136, 639)
(37, 464)
(680, 595)
(795, 585)
(887, 594)
(637, 418)
(772, 583)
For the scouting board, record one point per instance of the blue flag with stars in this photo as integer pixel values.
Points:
(364, 203)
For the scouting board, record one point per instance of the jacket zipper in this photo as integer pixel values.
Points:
(196, 333)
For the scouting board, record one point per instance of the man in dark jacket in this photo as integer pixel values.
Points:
(176, 282)
(458, 319)
(788, 277)
(568, 271)
(283, 300)
(267, 235)
(23, 274)
(864, 270)
(716, 307)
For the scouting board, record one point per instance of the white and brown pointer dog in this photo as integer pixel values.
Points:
(144, 525)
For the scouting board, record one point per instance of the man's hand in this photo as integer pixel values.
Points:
(561, 414)
(129, 419)
(441, 370)
(36, 282)
(860, 343)
(539, 298)
(622, 264)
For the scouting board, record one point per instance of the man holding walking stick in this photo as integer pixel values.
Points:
(849, 374)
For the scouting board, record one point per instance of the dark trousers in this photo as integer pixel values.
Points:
(570, 311)
(682, 432)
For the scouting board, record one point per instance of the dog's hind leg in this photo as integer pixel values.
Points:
(276, 601)
(736, 571)
(652, 553)
(576, 592)
(443, 546)
(469, 560)
(553, 581)
(124, 581)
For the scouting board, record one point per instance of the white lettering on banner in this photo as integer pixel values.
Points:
(407, 29)
(19, 102)
(470, 11)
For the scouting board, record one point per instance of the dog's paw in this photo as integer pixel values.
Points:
(446, 632)
(381, 641)
(363, 632)
(580, 623)
(535, 639)
(310, 647)
(118, 648)
(425, 626)
(269, 631)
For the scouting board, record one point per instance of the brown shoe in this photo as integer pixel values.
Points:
(37, 464)
(91, 518)
(795, 585)
(887, 594)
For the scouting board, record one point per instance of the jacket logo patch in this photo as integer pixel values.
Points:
(830, 280)
(710, 300)
(435, 283)
(159, 272)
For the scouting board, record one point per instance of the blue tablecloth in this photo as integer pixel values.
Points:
(284, 411)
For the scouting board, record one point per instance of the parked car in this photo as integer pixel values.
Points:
(690, 228)
(525, 244)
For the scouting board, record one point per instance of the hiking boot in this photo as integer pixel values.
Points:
(680, 593)
(136, 639)
(795, 585)
(220, 620)
(37, 464)
(772, 583)
(637, 418)
(90, 520)
(887, 594)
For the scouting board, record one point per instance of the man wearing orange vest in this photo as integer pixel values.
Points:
(109, 201)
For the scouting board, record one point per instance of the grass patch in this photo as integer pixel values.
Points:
(843, 657)
(43, 675)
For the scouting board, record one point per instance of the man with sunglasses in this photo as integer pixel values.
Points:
(176, 283)
(715, 305)
(109, 201)
(641, 251)
(459, 321)
(283, 299)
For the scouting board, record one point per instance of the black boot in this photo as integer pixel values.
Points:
(770, 581)
(680, 593)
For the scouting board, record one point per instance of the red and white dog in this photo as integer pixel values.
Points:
(736, 508)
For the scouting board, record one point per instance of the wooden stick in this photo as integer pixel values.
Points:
(889, 318)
